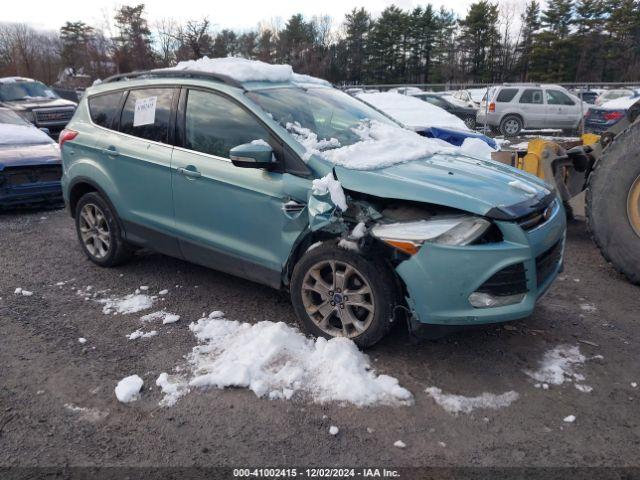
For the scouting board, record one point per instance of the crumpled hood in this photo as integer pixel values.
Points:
(466, 183)
(21, 155)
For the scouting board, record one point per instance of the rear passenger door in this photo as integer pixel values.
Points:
(137, 160)
(533, 109)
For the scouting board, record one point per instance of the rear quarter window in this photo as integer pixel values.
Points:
(506, 95)
(104, 108)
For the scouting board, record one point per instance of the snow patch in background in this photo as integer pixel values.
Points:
(459, 403)
(23, 292)
(276, 361)
(329, 184)
(128, 389)
(131, 303)
(477, 148)
(560, 365)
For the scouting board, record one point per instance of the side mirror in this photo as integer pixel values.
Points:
(253, 155)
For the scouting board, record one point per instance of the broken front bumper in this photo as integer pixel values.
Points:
(440, 279)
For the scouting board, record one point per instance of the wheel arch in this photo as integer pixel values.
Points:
(81, 186)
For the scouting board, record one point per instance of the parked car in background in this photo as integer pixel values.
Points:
(423, 117)
(466, 114)
(600, 118)
(36, 102)
(30, 167)
(588, 96)
(466, 98)
(514, 107)
(608, 95)
(406, 90)
(238, 166)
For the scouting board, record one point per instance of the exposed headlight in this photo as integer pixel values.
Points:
(486, 300)
(409, 236)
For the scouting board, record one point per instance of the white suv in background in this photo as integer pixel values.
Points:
(513, 107)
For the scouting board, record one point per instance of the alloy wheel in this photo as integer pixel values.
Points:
(511, 127)
(94, 231)
(338, 298)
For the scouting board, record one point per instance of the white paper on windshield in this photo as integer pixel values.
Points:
(145, 111)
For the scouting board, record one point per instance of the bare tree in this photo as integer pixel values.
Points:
(168, 40)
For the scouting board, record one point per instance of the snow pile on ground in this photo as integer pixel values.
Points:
(128, 389)
(132, 303)
(163, 315)
(477, 148)
(411, 111)
(240, 69)
(173, 389)
(382, 145)
(459, 403)
(276, 361)
(560, 365)
(23, 292)
(140, 334)
(86, 414)
(328, 184)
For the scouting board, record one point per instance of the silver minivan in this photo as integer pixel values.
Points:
(514, 107)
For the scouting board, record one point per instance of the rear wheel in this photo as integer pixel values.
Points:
(338, 293)
(510, 126)
(613, 203)
(99, 232)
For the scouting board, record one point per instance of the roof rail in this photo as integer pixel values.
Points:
(171, 73)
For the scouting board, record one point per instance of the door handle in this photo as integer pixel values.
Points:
(189, 172)
(111, 151)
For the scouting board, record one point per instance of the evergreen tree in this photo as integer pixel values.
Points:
(133, 44)
(530, 25)
(480, 41)
(356, 25)
(76, 40)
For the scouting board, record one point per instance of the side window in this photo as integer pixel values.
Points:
(506, 95)
(556, 97)
(146, 114)
(215, 125)
(104, 108)
(436, 101)
(531, 95)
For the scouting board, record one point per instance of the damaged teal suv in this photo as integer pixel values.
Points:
(279, 178)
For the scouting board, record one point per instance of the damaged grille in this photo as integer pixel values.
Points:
(16, 176)
(547, 262)
(53, 116)
(510, 280)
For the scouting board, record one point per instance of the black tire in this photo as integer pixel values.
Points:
(470, 122)
(608, 191)
(377, 274)
(118, 251)
(513, 123)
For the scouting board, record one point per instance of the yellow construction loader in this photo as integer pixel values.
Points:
(607, 166)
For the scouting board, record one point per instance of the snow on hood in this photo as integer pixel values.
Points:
(622, 103)
(240, 69)
(412, 111)
(22, 135)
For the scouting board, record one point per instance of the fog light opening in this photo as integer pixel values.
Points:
(486, 300)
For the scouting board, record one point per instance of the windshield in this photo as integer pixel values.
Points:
(16, 91)
(329, 113)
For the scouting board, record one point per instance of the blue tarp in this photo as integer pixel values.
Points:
(455, 137)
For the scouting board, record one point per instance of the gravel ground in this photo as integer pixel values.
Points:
(43, 367)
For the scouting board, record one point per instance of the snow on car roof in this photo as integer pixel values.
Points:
(621, 103)
(411, 111)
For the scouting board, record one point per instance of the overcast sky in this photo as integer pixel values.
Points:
(235, 14)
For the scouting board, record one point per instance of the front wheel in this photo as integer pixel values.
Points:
(339, 293)
(613, 203)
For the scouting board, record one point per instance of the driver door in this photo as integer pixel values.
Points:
(230, 218)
